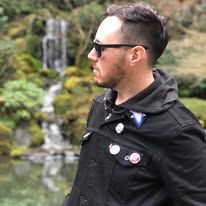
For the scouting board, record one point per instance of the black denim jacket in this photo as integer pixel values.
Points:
(161, 162)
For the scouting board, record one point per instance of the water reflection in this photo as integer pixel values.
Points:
(26, 184)
(52, 170)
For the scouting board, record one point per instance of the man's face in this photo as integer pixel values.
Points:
(109, 68)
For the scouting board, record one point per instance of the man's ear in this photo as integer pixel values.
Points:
(137, 54)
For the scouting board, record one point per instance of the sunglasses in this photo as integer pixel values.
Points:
(100, 47)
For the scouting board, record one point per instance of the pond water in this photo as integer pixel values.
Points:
(23, 183)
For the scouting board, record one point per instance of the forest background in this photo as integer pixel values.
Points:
(23, 78)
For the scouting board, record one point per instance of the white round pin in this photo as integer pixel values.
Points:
(134, 158)
(114, 149)
(119, 128)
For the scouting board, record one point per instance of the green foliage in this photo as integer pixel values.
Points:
(167, 58)
(15, 7)
(71, 82)
(49, 74)
(74, 102)
(33, 43)
(191, 86)
(27, 63)
(7, 49)
(199, 20)
(63, 103)
(20, 94)
(37, 134)
(9, 123)
(23, 115)
(83, 27)
(197, 106)
(5, 130)
(3, 18)
(5, 139)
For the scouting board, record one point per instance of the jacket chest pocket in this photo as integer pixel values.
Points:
(130, 165)
(86, 142)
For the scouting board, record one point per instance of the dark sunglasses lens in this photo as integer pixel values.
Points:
(98, 49)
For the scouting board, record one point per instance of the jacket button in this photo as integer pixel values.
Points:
(83, 201)
(92, 163)
(119, 128)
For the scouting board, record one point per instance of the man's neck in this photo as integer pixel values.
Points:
(132, 87)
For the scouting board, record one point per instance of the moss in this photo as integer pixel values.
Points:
(18, 151)
(37, 134)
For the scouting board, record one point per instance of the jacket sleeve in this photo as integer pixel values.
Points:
(183, 167)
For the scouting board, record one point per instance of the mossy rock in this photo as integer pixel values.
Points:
(18, 151)
(37, 134)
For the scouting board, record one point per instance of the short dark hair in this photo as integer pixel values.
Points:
(142, 25)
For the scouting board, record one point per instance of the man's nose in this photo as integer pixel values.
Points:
(92, 56)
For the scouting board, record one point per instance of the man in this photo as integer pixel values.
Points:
(142, 147)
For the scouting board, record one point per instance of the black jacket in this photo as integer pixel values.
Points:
(148, 151)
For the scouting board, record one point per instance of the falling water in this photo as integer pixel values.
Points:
(54, 57)
(54, 45)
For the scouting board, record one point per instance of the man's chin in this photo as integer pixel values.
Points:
(101, 85)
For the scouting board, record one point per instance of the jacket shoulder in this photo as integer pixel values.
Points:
(183, 115)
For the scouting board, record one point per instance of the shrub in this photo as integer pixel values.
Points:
(5, 139)
(191, 86)
(37, 134)
(197, 106)
(20, 98)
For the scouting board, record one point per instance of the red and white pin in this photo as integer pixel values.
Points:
(135, 158)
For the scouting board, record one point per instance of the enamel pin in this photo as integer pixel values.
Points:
(114, 149)
(134, 158)
(119, 128)
(138, 118)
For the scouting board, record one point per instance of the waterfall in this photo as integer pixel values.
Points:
(54, 57)
(54, 45)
